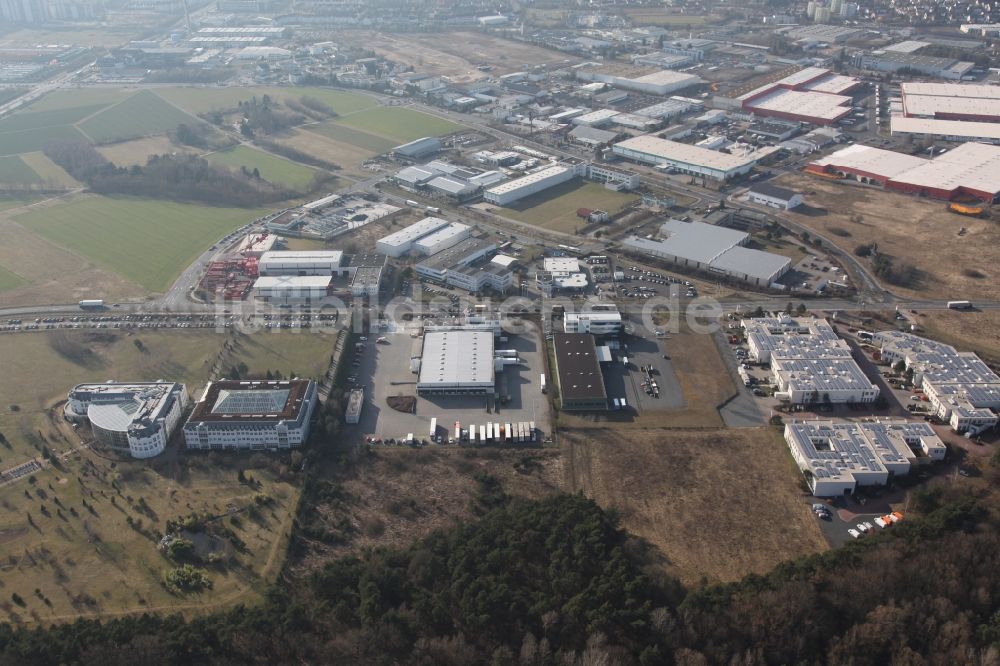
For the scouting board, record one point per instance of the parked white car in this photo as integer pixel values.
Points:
(862, 528)
(880, 522)
(854, 533)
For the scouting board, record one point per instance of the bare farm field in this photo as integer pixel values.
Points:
(910, 229)
(459, 54)
(712, 503)
(345, 155)
(138, 151)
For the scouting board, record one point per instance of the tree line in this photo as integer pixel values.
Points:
(556, 582)
(176, 177)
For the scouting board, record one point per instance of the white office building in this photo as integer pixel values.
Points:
(604, 322)
(251, 414)
(135, 419)
(809, 363)
(837, 457)
(959, 386)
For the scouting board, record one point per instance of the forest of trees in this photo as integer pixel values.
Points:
(176, 177)
(556, 582)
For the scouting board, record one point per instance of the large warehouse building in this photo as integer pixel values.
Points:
(302, 262)
(519, 188)
(133, 419)
(252, 414)
(811, 95)
(288, 289)
(970, 169)
(837, 457)
(951, 111)
(442, 239)
(686, 158)
(581, 381)
(707, 247)
(457, 363)
(658, 82)
(399, 243)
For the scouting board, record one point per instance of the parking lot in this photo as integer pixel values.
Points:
(383, 370)
(643, 350)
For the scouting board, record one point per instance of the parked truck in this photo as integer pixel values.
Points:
(91, 303)
(434, 429)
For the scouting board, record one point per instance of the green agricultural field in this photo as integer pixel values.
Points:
(272, 167)
(9, 280)
(32, 119)
(48, 171)
(556, 208)
(10, 200)
(370, 142)
(149, 242)
(77, 97)
(293, 353)
(29, 140)
(13, 170)
(142, 114)
(200, 100)
(398, 124)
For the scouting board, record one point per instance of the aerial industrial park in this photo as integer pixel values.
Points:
(305, 306)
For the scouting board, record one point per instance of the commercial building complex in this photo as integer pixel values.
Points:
(399, 243)
(604, 322)
(971, 169)
(809, 363)
(467, 265)
(135, 419)
(251, 414)
(686, 158)
(959, 386)
(837, 457)
(713, 249)
(812, 95)
(442, 239)
(952, 111)
(891, 61)
(661, 82)
(519, 188)
(458, 362)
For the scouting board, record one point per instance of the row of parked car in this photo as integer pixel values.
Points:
(882, 522)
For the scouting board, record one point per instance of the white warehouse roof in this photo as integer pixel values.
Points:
(462, 358)
(518, 183)
(699, 241)
(886, 163)
(682, 152)
(293, 282)
(414, 231)
(455, 229)
(285, 257)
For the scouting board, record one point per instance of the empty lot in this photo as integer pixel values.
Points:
(911, 229)
(556, 207)
(713, 503)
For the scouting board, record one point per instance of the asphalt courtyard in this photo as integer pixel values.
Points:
(384, 371)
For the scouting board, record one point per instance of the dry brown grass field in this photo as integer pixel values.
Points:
(977, 331)
(459, 54)
(915, 230)
(713, 503)
(391, 497)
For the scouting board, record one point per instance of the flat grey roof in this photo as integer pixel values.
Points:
(699, 241)
(457, 358)
(580, 375)
(754, 263)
